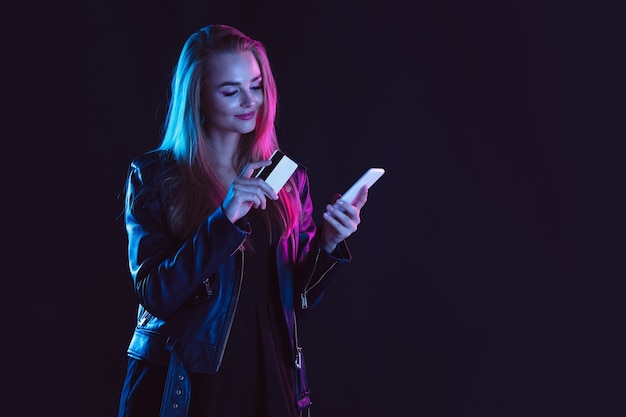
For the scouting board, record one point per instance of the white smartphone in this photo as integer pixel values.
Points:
(368, 178)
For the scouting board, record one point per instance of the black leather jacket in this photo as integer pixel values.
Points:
(188, 291)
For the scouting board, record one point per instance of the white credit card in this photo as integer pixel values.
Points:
(277, 174)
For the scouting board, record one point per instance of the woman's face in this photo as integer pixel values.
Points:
(232, 94)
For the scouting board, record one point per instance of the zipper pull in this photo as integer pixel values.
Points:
(207, 285)
(299, 357)
(305, 302)
(144, 318)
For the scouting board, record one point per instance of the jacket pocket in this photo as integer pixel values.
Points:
(201, 294)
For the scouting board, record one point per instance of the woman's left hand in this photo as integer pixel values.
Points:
(341, 220)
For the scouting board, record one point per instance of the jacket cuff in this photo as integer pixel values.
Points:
(341, 253)
(242, 225)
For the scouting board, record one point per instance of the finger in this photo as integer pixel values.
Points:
(336, 228)
(250, 167)
(255, 192)
(328, 216)
(255, 185)
(344, 207)
(251, 199)
(361, 197)
(267, 189)
(338, 215)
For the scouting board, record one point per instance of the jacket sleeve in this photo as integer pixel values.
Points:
(315, 267)
(165, 272)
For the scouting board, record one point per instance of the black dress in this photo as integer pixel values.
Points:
(256, 375)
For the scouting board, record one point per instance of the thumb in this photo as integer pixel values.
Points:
(361, 197)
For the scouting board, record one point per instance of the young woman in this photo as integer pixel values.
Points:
(221, 263)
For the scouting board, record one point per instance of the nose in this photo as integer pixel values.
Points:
(247, 99)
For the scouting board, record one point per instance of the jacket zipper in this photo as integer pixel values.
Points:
(145, 317)
(232, 316)
(207, 285)
(303, 296)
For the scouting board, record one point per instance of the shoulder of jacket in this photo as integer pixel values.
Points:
(152, 158)
(151, 167)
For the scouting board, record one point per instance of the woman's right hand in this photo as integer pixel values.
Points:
(246, 192)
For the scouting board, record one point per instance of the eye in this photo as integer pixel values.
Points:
(258, 87)
(229, 93)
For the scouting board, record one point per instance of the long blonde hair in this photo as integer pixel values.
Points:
(196, 189)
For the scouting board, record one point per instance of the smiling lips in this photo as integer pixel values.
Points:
(246, 116)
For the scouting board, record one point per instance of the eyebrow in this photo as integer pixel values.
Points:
(233, 83)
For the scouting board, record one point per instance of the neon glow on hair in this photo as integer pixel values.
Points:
(183, 131)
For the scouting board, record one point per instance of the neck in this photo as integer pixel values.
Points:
(222, 154)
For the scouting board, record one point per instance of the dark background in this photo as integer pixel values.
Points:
(488, 272)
